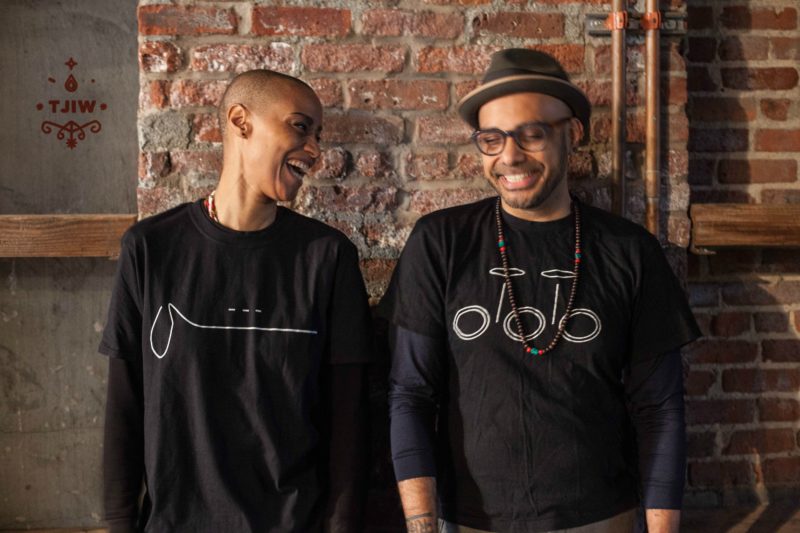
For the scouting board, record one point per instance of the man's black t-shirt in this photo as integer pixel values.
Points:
(526, 442)
(233, 332)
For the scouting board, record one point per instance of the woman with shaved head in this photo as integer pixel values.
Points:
(238, 339)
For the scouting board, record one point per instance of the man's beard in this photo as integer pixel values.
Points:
(555, 176)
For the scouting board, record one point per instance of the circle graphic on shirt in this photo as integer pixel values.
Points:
(524, 310)
(485, 319)
(583, 338)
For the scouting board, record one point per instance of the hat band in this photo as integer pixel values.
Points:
(508, 79)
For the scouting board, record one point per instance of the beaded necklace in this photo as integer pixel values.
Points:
(501, 245)
(212, 207)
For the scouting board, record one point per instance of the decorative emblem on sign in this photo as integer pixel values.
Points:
(75, 130)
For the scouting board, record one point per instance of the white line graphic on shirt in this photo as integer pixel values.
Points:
(171, 308)
(508, 321)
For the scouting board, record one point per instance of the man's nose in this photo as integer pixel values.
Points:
(512, 154)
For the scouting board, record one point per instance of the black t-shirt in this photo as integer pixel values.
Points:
(233, 331)
(527, 443)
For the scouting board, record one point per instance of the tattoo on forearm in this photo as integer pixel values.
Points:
(421, 523)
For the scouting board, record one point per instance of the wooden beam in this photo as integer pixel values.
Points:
(745, 225)
(62, 235)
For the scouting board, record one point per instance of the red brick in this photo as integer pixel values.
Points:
(700, 444)
(328, 91)
(733, 262)
(242, 57)
(715, 109)
(461, 60)
(757, 171)
(784, 351)
(377, 273)
(698, 382)
(700, 17)
(442, 129)
(719, 411)
(761, 292)
(699, 79)
(785, 47)
(362, 128)
(159, 56)
(520, 24)
(581, 166)
(703, 294)
(672, 57)
(157, 200)
(718, 140)
(722, 351)
(338, 198)
(300, 21)
(188, 93)
(353, 58)
(599, 92)
(677, 125)
(781, 261)
(458, 2)
(674, 91)
(752, 79)
(571, 56)
(747, 18)
(425, 201)
(332, 164)
(634, 58)
(205, 128)
(186, 162)
(468, 167)
(781, 470)
(718, 196)
(720, 474)
(398, 94)
(762, 380)
(702, 49)
(375, 165)
(760, 441)
(427, 165)
(739, 48)
(776, 108)
(186, 20)
(154, 95)
(677, 162)
(730, 324)
(780, 196)
(464, 87)
(152, 167)
(771, 322)
(778, 410)
(778, 140)
(395, 23)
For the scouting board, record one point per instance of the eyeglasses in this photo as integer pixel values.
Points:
(531, 137)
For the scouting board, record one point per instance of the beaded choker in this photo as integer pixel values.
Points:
(212, 207)
(502, 246)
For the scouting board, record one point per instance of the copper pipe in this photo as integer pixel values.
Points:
(652, 173)
(618, 106)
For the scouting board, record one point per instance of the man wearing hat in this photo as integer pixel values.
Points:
(536, 379)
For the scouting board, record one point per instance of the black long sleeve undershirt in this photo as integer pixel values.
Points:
(654, 390)
(123, 450)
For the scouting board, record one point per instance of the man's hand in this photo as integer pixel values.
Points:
(663, 520)
(419, 504)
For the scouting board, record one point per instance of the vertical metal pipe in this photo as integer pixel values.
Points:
(652, 175)
(618, 110)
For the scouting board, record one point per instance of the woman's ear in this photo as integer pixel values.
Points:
(239, 120)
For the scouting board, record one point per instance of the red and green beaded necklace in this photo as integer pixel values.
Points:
(502, 245)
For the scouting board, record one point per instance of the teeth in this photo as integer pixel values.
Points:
(514, 178)
(300, 165)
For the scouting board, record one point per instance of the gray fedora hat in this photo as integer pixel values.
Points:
(519, 70)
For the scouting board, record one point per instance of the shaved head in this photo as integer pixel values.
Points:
(255, 89)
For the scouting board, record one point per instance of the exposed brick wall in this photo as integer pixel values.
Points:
(389, 78)
(744, 378)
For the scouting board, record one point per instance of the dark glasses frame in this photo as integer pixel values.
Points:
(547, 127)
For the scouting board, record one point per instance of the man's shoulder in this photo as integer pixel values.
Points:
(456, 217)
